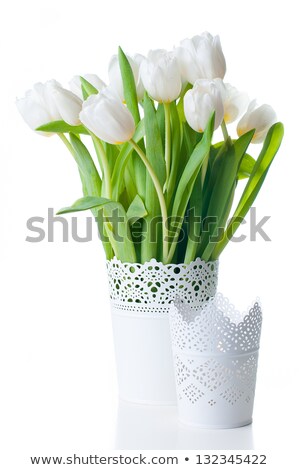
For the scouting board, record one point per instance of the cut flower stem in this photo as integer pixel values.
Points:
(102, 157)
(160, 195)
(167, 142)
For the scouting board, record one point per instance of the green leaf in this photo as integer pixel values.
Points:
(84, 204)
(62, 127)
(154, 147)
(88, 170)
(160, 113)
(116, 224)
(87, 88)
(224, 186)
(112, 152)
(131, 100)
(246, 167)
(191, 137)
(175, 150)
(270, 148)
(91, 183)
(136, 210)
(215, 162)
(192, 169)
(129, 85)
(214, 151)
(155, 155)
(188, 178)
(181, 112)
(122, 160)
(129, 185)
(194, 221)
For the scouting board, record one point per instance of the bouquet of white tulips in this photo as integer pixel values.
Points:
(158, 184)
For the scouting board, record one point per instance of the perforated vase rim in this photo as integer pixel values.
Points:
(154, 284)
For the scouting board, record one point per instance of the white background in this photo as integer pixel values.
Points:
(58, 384)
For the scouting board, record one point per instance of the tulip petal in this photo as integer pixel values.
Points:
(108, 118)
(161, 76)
(201, 57)
(68, 105)
(259, 118)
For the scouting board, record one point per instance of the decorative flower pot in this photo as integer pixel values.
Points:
(141, 295)
(215, 350)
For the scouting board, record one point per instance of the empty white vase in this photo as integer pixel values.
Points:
(215, 351)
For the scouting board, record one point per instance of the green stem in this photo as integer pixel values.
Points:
(173, 247)
(73, 153)
(107, 245)
(67, 144)
(160, 195)
(101, 154)
(204, 171)
(195, 208)
(167, 141)
(224, 131)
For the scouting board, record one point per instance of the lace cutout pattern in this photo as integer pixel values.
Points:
(152, 286)
(215, 327)
(215, 350)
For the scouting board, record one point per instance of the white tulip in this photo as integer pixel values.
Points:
(67, 103)
(160, 74)
(48, 102)
(234, 102)
(108, 118)
(201, 57)
(37, 107)
(260, 118)
(75, 83)
(115, 78)
(200, 102)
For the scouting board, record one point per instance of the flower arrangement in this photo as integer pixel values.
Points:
(162, 187)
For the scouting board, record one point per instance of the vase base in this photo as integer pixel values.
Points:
(216, 426)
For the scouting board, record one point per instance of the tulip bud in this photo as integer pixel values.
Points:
(49, 102)
(201, 57)
(234, 102)
(108, 118)
(67, 103)
(37, 107)
(160, 74)
(115, 78)
(75, 83)
(200, 102)
(260, 118)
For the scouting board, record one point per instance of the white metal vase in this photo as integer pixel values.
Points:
(141, 296)
(215, 351)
